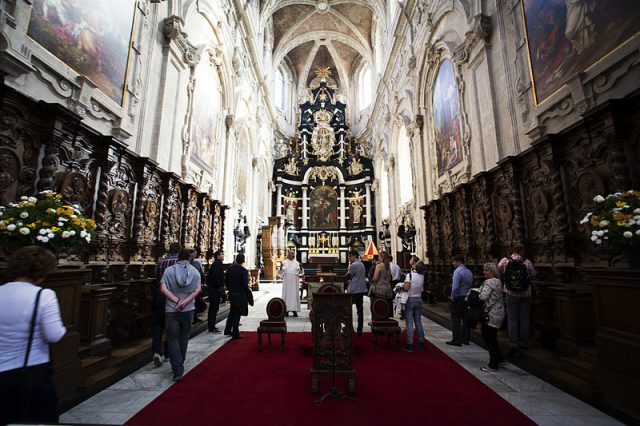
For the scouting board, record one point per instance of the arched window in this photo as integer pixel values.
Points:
(405, 177)
(365, 89)
(281, 90)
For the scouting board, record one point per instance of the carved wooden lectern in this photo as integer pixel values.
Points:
(332, 332)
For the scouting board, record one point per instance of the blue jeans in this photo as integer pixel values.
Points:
(413, 315)
(518, 319)
(178, 330)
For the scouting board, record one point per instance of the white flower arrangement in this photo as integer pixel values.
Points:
(616, 220)
(44, 221)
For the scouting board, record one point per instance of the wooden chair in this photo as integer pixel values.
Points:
(381, 323)
(275, 323)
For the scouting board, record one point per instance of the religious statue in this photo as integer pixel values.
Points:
(290, 212)
(355, 167)
(323, 138)
(356, 210)
(291, 167)
(241, 233)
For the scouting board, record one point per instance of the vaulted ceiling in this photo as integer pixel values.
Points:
(330, 33)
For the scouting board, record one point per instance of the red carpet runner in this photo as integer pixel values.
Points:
(238, 385)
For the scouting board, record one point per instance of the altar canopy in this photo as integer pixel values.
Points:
(324, 178)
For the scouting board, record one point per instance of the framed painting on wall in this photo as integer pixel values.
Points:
(567, 37)
(446, 118)
(90, 36)
(323, 203)
(206, 105)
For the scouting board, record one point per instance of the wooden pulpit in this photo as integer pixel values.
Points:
(332, 333)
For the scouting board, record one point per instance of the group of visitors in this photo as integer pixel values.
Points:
(180, 278)
(506, 284)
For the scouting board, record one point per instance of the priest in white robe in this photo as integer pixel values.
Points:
(290, 272)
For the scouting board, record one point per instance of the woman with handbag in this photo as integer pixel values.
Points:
(381, 283)
(29, 321)
(414, 284)
(492, 313)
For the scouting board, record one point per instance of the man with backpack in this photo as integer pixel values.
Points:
(517, 272)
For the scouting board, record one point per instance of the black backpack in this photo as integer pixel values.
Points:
(516, 275)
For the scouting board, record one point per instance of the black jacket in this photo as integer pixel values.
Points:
(215, 277)
(237, 282)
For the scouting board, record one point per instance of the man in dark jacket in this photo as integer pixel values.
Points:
(215, 283)
(237, 282)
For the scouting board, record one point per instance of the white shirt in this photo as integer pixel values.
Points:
(18, 299)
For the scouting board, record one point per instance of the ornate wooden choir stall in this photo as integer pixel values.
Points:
(105, 293)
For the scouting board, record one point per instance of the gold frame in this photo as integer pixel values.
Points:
(125, 82)
(433, 121)
(536, 101)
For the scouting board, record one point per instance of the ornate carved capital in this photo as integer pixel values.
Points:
(480, 31)
(433, 55)
(173, 32)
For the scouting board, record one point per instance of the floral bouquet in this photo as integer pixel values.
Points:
(616, 220)
(47, 221)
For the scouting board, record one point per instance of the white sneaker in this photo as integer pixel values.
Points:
(157, 359)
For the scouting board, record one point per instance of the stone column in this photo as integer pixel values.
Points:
(278, 199)
(368, 198)
(305, 217)
(342, 209)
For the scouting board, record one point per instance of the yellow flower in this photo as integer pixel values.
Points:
(621, 223)
(32, 225)
(59, 196)
(620, 203)
(55, 229)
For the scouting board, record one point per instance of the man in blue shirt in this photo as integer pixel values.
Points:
(462, 282)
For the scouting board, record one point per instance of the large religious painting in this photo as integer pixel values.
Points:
(446, 118)
(566, 37)
(91, 36)
(206, 105)
(324, 208)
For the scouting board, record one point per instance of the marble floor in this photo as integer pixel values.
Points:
(540, 401)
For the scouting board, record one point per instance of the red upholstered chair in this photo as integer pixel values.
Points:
(381, 323)
(329, 288)
(275, 323)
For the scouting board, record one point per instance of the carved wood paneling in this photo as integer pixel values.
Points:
(204, 227)
(191, 218)
(147, 213)
(19, 152)
(171, 227)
